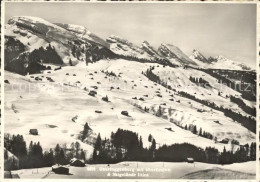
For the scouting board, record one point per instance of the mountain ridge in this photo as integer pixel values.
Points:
(73, 42)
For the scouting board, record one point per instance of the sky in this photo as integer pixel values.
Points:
(213, 29)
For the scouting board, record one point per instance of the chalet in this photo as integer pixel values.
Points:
(190, 160)
(33, 132)
(77, 162)
(60, 169)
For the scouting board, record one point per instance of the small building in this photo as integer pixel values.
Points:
(225, 141)
(124, 113)
(60, 169)
(105, 99)
(33, 132)
(190, 160)
(77, 162)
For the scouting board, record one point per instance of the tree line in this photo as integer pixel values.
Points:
(126, 145)
(123, 145)
(200, 81)
(243, 106)
(34, 156)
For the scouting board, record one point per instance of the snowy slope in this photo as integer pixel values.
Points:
(57, 104)
(83, 33)
(229, 64)
(218, 62)
(166, 170)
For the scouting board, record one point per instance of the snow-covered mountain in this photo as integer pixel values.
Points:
(218, 62)
(150, 50)
(83, 33)
(126, 48)
(222, 61)
(197, 55)
(175, 55)
(65, 44)
(75, 43)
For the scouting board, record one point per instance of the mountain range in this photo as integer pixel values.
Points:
(75, 43)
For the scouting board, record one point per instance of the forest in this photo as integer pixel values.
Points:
(123, 145)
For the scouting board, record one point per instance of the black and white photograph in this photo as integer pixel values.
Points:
(144, 90)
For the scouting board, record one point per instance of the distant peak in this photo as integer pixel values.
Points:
(146, 43)
(27, 18)
(197, 55)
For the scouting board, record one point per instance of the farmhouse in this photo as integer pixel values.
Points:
(60, 169)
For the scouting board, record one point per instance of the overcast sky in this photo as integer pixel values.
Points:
(213, 29)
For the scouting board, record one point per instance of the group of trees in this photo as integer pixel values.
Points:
(13, 48)
(46, 55)
(200, 81)
(200, 132)
(242, 154)
(86, 132)
(243, 106)
(42, 55)
(125, 145)
(247, 86)
(34, 157)
(90, 51)
(153, 77)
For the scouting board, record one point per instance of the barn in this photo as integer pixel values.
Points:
(92, 93)
(33, 131)
(124, 113)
